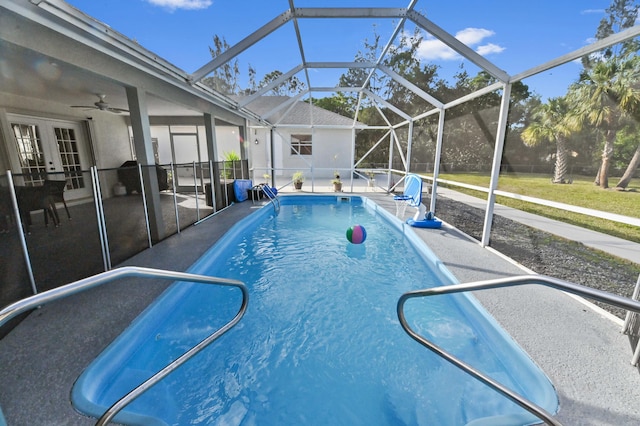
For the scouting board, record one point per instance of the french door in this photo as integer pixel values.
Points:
(50, 149)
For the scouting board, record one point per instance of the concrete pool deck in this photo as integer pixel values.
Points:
(581, 350)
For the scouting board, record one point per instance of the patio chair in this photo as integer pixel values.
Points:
(55, 188)
(32, 198)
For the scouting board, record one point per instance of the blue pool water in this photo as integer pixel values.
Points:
(320, 343)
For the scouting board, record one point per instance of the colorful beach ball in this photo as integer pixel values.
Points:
(356, 234)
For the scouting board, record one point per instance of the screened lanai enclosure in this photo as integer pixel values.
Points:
(87, 103)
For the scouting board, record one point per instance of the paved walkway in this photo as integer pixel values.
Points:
(616, 246)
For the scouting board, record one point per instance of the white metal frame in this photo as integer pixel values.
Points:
(59, 16)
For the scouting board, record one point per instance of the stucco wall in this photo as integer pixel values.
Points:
(331, 152)
(259, 153)
(111, 140)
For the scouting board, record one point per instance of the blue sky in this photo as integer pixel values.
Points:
(515, 36)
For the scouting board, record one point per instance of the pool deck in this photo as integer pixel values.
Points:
(579, 347)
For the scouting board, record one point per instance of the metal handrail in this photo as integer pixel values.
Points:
(55, 294)
(602, 296)
(273, 197)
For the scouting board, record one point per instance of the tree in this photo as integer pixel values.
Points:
(631, 169)
(224, 79)
(621, 14)
(550, 124)
(604, 95)
(484, 111)
(403, 59)
(630, 103)
(356, 77)
(292, 86)
(338, 103)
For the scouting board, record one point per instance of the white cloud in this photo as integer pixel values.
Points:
(590, 11)
(472, 36)
(182, 4)
(433, 49)
(488, 49)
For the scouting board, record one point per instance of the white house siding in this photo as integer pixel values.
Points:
(259, 154)
(331, 146)
(331, 152)
(228, 140)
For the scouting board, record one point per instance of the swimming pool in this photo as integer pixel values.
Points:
(320, 342)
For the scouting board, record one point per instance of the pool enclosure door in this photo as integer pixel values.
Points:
(49, 149)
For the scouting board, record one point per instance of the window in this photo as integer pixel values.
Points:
(70, 156)
(30, 153)
(301, 144)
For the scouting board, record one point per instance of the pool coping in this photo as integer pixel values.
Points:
(88, 392)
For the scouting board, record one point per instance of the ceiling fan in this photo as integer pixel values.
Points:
(102, 105)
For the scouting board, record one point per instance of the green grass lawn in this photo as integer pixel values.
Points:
(582, 192)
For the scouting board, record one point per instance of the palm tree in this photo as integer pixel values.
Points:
(631, 169)
(602, 97)
(630, 103)
(550, 124)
